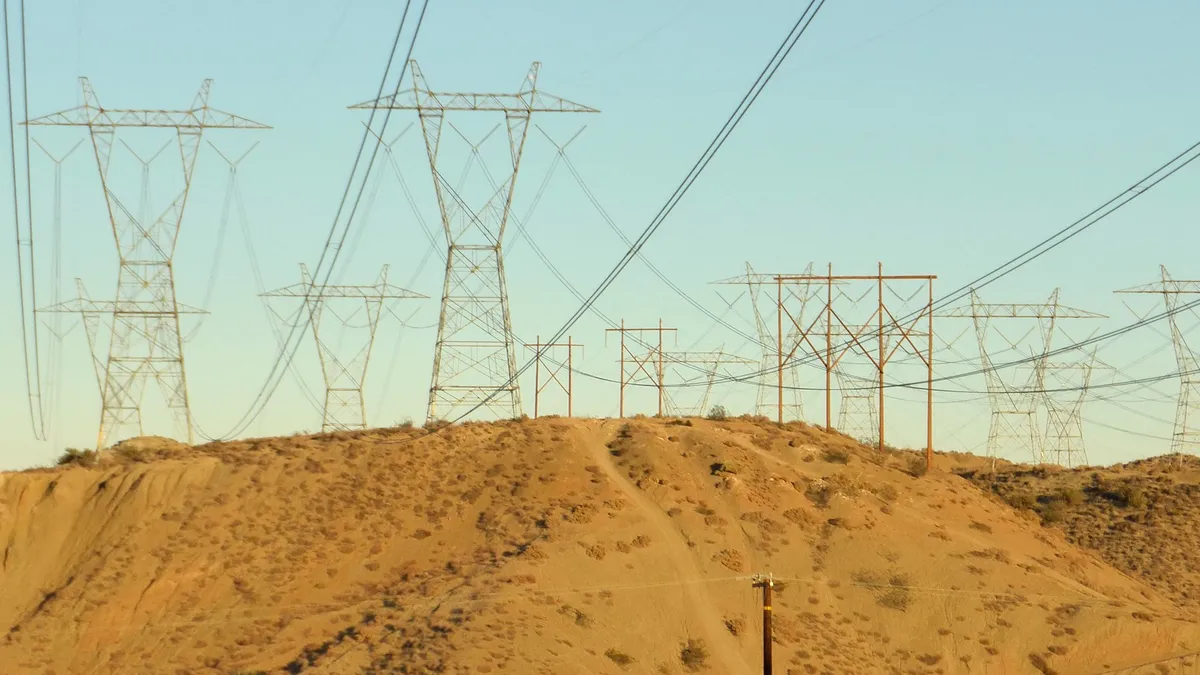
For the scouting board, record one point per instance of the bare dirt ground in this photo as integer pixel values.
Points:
(579, 546)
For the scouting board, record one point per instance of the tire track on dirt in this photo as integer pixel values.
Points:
(724, 647)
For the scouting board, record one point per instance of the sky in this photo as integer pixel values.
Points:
(932, 136)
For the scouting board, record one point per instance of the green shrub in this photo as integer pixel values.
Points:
(718, 413)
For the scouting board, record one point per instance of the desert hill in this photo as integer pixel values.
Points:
(550, 546)
(1142, 517)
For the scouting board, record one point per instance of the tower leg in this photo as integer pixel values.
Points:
(475, 354)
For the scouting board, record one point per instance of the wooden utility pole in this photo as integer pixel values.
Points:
(881, 326)
(641, 362)
(766, 583)
(553, 371)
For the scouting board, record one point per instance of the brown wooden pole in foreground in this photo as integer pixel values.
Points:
(766, 583)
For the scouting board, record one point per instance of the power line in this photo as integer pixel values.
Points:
(32, 374)
(760, 83)
(1060, 237)
(286, 355)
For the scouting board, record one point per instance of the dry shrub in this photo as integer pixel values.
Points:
(618, 657)
(1039, 662)
(1131, 496)
(819, 494)
(77, 457)
(436, 425)
(887, 493)
(1021, 501)
(916, 467)
(836, 456)
(1071, 496)
(1054, 512)
(693, 654)
(718, 413)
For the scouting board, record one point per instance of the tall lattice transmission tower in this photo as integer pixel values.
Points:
(145, 343)
(1064, 394)
(1185, 436)
(1014, 430)
(766, 393)
(858, 410)
(345, 371)
(475, 357)
(711, 363)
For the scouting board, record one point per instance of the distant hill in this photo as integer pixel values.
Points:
(1142, 518)
(583, 546)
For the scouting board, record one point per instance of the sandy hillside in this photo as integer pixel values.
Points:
(553, 547)
(1142, 517)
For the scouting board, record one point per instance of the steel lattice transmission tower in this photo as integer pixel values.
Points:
(1185, 436)
(475, 358)
(92, 315)
(1014, 429)
(711, 363)
(1064, 396)
(146, 342)
(765, 402)
(345, 374)
(858, 410)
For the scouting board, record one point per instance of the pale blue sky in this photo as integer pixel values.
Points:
(939, 136)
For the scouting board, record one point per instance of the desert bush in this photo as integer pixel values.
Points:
(405, 423)
(718, 413)
(131, 454)
(723, 467)
(1131, 496)
(887, 492)
(435, 425)
(1071, 496)
(895, 598)
(818, 494)
(693, 655)
(835, 456)
(1020, 501)
(618, 657)
(916, 467)
(76, 456)
(1054, 512)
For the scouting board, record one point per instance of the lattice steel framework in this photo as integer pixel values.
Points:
(858, 411)
(345, 373)
(98, 315)
(1013, 428)
(1066, 390)
(634, 364)
(474, 362)
(765, 402)
(878, 339)
(146, 342)
(1185, 436)
(711, 363)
